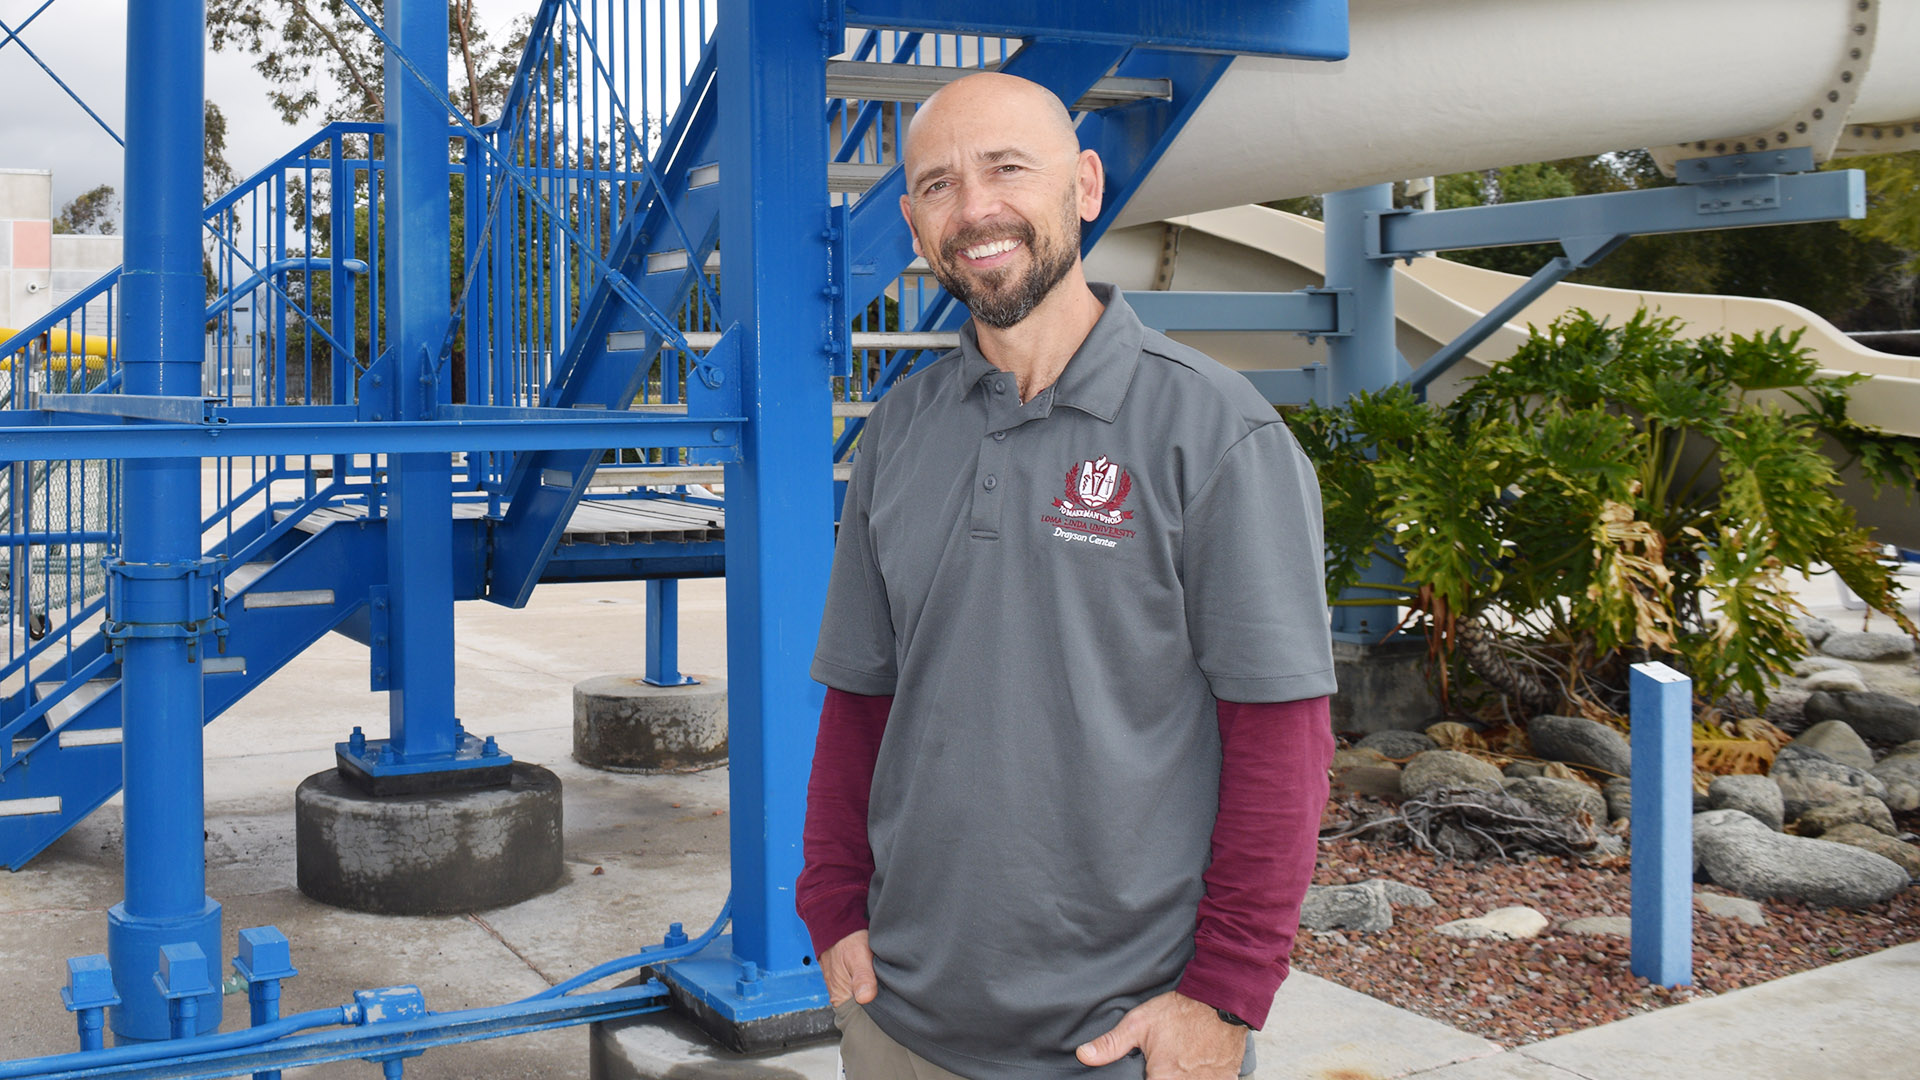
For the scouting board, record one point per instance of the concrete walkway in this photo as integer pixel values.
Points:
(643, 851)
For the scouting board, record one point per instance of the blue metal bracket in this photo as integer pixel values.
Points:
(377, 766)
(88, 995)
(161, 616)
(838, 345)
(379, 638)
(1796, 159)
(715, 985)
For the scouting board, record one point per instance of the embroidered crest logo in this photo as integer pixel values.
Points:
(1096, 490)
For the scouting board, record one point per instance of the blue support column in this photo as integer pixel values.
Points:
(663, 634)
(161, 593)
(1662, 714)
(775, 228)
(1367, 358)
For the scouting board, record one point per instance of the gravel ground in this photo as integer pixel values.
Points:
(1521, 991)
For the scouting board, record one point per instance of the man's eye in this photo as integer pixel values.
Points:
(937, 185)
(1009, 168)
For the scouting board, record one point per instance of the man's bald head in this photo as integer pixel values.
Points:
(1022, 111)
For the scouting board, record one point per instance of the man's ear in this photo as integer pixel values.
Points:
(1091, 180)
(906, 211)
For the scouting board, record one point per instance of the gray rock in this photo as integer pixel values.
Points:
(1579, 741)
(1559, 798)
(1808, 778)
(1786, 707)
(1610, 925)
(1346, 907)
(1867, 645)
(1438, 769)
(1807, 665)
(1739, 853)
(1816, 629)
(1756, 795)
(1401, 894)
(1520, 770)
(1397, 744)
(1619, 795)
(1500, 924)
(1730, 907)
(1871, 839)
(1357, 756)
(1900, 771)
(1835, 682)
(1857, 810)
(1837, 740)
(1872, 715)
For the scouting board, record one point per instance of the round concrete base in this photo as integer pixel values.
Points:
(428, 854)
(625, 724)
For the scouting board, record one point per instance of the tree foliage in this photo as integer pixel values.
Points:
(89, 212)
(319, 60)
(1610, 493)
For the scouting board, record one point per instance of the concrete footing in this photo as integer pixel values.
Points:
(1383, 687)
(626, 724)
(428, 854)
(667, 1046)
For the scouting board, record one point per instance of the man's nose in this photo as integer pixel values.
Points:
(978, 201)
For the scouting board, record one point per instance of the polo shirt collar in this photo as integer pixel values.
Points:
(1096, 378)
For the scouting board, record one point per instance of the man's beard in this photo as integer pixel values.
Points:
(994, 296)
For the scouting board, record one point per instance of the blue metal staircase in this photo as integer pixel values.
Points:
(555, 315)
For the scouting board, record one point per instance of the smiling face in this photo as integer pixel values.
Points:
(997, 187)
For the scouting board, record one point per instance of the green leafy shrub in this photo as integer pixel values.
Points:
(1610, 494)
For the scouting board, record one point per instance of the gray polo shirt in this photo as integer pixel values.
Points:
(1054, 594)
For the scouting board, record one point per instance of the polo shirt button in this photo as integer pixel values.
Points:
(999, 436)
(990, 482)
(1000, 386)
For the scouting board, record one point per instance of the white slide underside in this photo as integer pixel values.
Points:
(1440, 86)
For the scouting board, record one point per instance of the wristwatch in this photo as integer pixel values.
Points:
(1231, 1019)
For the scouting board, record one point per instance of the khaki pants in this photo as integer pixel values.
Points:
(867, 1053)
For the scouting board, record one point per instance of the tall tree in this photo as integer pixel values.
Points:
(89, 212)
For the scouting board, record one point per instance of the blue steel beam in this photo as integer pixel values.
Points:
(774, 226)
(1662, 895)
(419, 485)
(1308, 311)
(1313, 29)
(161, 584)
(1724, 204)
(28, 437)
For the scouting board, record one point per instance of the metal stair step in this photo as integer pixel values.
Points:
(42, 804)
(867, 80)
(671, 475)
(71, 705)
(245, 574)
(661, 262)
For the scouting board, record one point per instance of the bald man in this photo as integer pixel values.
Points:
(1067, 786)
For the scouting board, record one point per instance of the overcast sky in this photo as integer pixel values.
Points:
(84, 42)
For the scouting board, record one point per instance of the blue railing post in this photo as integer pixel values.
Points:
(161, 593)
(663, 634)
(1662, 720)
(1365, 359)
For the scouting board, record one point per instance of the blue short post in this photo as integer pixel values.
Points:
(663, 634)
(183, 980)
(88, 995)
(1662, 715)
(160, 603)
(265, 959)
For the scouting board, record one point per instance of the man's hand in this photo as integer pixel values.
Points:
(848, 966)
(1180, 1037)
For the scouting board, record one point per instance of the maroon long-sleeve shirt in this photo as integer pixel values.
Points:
(1273, 783)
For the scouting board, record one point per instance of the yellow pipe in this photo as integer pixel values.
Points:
(60, 341)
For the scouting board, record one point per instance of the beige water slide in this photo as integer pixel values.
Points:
(1441, 86)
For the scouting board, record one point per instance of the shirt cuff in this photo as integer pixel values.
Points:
(1243, 988)
(832, 916)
